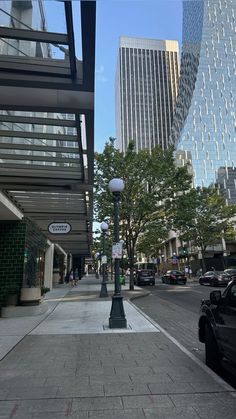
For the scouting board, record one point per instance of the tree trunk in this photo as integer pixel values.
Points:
(203, 260)
(131, 281)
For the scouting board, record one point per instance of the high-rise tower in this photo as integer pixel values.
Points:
(204, 123)
(146, 90)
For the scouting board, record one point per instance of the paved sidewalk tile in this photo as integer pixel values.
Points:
(171, 413)
(59, 370)
(118, 414)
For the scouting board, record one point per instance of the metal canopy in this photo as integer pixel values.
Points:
(47, 130)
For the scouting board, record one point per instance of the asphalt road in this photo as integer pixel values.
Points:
(176, 309)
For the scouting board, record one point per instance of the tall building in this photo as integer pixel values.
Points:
(146, 90)
(204, 123)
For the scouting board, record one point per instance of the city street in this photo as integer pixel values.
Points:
(176, 309)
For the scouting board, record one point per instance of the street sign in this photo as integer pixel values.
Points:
(117, 250)
(59, 228)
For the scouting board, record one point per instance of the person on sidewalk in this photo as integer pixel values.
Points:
(71, 277)
(76, 276)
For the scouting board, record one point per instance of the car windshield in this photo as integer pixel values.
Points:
(209, 273)
(144, 266)
(176, 272)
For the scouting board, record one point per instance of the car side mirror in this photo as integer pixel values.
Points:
(215, 297)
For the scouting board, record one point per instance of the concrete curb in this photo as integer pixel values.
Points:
(135, 297)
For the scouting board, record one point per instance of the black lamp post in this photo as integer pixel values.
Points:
(122, 257)
(117, 318)
(103, 292)
(97, 255)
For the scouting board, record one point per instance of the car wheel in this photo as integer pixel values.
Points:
(184, 282)
(212, 353)
(213, 283)
(163, 281)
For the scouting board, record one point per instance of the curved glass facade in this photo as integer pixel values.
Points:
(204, 122)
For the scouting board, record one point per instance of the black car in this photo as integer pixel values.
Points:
(174, 277)
(217, 326)
(215, 279)
(144, 274)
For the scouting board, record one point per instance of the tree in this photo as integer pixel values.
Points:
(151, 241)
(202, 217)
(150, 178)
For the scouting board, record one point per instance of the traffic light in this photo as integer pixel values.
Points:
(183, 251)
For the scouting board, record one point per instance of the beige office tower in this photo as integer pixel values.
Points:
(146, 90)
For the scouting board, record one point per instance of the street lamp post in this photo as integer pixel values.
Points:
(103, 292)
(117, 318)
(97, 265)
(122, 257)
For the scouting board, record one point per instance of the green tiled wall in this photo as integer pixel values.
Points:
(35, 241)
(12, 244)
(16, 238)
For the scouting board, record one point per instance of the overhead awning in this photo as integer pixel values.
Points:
(47, 128)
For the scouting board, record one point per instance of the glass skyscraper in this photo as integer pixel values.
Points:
(146, 90)
(204, 122)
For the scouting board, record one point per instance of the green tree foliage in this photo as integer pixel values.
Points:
(151, 179)
(151, 241)
(202, 217)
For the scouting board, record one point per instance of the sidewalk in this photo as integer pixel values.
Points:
(68, 363)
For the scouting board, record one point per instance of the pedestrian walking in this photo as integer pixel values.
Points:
(76, 276)
(71, 278)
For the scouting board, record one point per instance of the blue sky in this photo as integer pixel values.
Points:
(159, 19)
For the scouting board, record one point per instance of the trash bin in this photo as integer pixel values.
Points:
(122, 280)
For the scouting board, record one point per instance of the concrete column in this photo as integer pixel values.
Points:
(178, 244)
(48, 268)
(69, 262)
(165, 252)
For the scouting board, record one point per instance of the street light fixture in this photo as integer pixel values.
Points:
(103, 292)
(117, 318)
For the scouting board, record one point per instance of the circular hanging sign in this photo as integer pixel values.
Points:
(59, 228)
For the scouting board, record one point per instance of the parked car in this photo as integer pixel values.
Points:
(174, 277)
(217, 326)
(215, 278)
(144, 273)
(231, 272)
